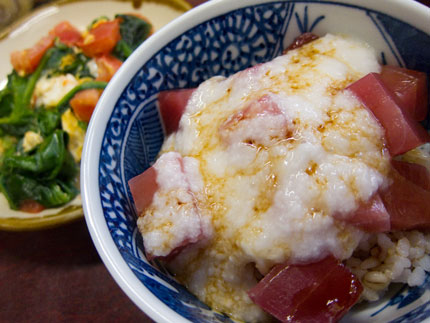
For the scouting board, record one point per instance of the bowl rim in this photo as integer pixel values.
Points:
(93, 211)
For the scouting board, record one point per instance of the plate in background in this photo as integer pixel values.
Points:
(26, 32)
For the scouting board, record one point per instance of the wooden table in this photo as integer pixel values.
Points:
(56, 275)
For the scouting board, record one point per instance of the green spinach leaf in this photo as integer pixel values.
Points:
(20, 90)
(47, 121)
(48, 175)
(64, 60)
(45, 163)
(64, 103)
(18, 188)
(134, 31)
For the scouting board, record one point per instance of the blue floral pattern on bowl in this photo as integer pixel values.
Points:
(222, 46)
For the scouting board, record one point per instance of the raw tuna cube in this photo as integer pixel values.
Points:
(259, 123)
(404, 205)
(143, 188)
(410, 87)
(371, 216)
(301, 40)
(166, 194)
(172, 105)
(407, 203)
(318, 292)
(402, 131)
(417, 174)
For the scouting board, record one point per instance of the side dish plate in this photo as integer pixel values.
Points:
(26, 31)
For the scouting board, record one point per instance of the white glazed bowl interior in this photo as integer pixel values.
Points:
(219, 38)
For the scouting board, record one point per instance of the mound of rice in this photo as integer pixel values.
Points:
(384, 258)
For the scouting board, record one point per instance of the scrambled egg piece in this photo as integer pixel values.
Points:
(67, 60)
(76, 134)
(49, 91)
(31, 140)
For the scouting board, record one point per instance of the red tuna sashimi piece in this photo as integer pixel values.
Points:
(175, 223)
(172, 105)
(317, 292)
(260, 122)
(407, 203)
(417, 174)
(143, 188)
(371, 216)
(410, 87)
(301, 40)
(402, 132)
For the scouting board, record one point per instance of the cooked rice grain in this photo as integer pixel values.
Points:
(384, 258)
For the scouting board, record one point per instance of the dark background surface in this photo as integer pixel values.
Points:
(56, 275)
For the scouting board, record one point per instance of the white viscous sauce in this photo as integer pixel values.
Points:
(272, 203)
(173, 220)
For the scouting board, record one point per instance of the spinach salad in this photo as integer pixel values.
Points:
(47, 103)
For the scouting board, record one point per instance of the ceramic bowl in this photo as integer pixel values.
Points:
(220, 37)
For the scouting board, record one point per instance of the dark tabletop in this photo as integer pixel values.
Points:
(56, 275)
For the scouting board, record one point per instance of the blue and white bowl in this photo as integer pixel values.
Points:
(220, 37)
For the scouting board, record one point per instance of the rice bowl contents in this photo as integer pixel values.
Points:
(269, 166)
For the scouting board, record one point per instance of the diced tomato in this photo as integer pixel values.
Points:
(107, 65)
(410, 87)
(301, 40)
(101, 39)
(316, 292)
(172, 105)
(417, 174)
(25, 61)
(31, 206)
(402, 132)
(67, 33)
(371, 216)
(84, 103)
(143, 188)
(407, 203)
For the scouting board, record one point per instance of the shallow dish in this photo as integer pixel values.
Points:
(34, 26)
(220, 38)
